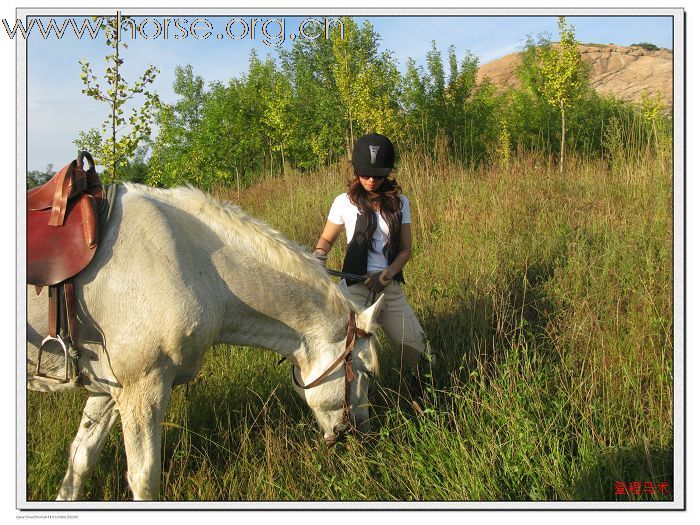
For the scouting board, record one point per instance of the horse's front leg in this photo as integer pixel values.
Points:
(98, 418)
(142, 408)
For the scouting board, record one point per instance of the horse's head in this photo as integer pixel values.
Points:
(339, 400)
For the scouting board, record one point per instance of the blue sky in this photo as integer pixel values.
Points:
(57, 110)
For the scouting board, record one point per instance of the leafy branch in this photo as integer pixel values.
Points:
(122, 130)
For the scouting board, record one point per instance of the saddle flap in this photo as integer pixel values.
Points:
(55, 254)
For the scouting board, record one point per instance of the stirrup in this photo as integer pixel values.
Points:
(38, 371)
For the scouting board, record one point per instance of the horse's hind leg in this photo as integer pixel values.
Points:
(142, 408)
(98, 418)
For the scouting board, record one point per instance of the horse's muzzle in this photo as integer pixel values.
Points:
(342, 429)
(339, 432)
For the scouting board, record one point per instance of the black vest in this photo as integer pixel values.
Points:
(356, 255)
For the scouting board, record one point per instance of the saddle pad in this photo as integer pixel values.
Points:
(57, 253)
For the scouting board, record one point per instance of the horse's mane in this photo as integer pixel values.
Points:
(235, 227)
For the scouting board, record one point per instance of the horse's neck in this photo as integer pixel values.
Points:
(269, 309)
(263, 331)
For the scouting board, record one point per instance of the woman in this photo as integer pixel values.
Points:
(377, 221)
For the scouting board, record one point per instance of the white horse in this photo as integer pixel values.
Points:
(176, 272)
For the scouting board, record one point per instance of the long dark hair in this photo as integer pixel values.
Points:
(389, 206)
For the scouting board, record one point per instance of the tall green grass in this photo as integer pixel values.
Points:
(549, 302)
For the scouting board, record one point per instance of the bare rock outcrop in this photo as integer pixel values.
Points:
(623, 72)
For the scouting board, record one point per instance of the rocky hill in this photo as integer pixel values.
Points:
(624, 72)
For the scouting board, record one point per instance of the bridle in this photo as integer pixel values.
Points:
(353, 332)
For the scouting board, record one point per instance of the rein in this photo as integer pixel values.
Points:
(371, 296)
(352, 334)
(345, 275)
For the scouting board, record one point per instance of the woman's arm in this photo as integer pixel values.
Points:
(404, 254)
(328, 237)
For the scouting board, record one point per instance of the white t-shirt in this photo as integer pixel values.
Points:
(345, 212)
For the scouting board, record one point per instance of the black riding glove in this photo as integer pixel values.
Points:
(321, 255)
(376, 282)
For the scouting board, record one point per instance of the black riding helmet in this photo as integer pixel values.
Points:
(373, 155)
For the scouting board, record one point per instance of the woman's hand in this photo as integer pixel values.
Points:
(321, 255)
(376, 282)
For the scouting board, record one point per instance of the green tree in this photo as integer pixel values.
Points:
(175, 158)
(530, 117)
(167, 150)
(277, 114)
(436, 88)
(257, 91)
(190, 88)
(120, 135)
(135, 169)
(564, 76)
(36, 178)
(437, 108)
(460, 103)
(366, 81)
(227, 135)
(651, 107)
(318, 125)
(414, 104)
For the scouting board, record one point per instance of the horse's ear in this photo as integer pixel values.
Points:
(367, 319)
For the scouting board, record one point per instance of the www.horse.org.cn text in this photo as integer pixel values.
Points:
(271, 32)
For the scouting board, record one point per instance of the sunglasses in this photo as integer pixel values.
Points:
(365, 177)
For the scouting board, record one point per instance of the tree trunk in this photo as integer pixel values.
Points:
(238, 185)
(352, 132)
(350, 101)
(282, 153)
(563, 138)
(114, 108)
(271, 159)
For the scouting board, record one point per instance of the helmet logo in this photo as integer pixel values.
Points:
(373, 154)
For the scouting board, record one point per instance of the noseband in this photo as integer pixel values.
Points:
(353, 333)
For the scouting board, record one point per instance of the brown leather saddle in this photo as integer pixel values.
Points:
(62, 238)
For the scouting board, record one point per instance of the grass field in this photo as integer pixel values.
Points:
(549, 301)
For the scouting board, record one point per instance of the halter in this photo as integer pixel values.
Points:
(353, 333)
